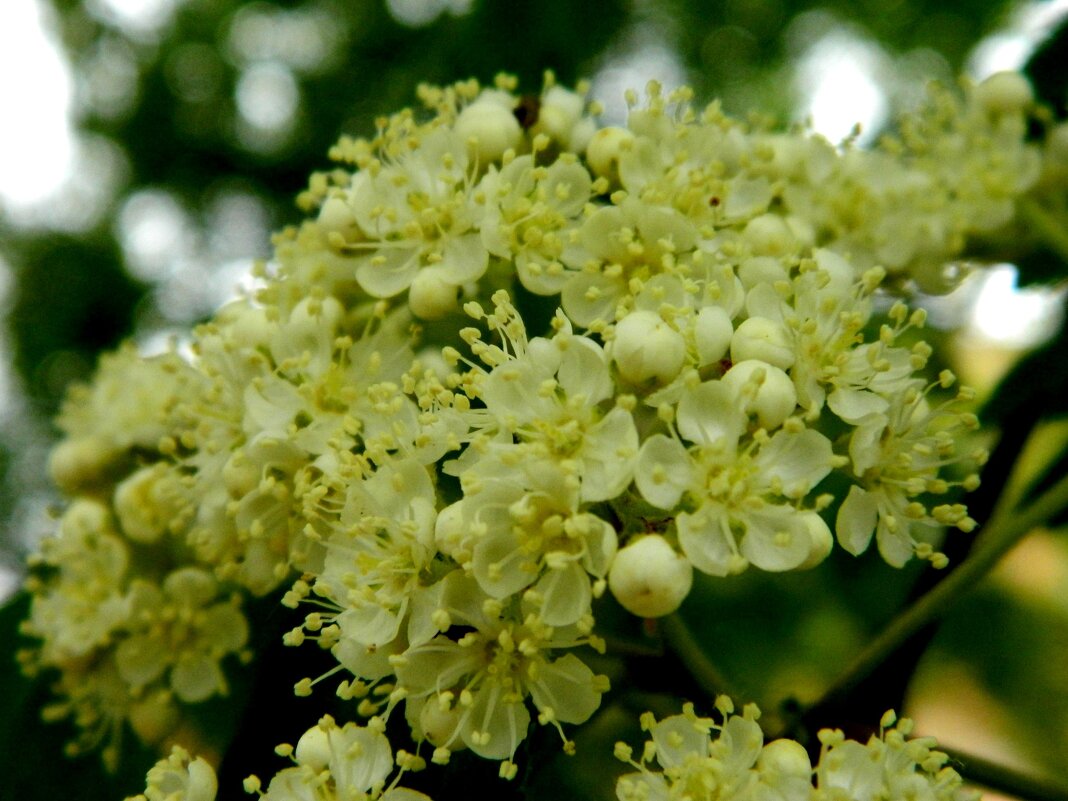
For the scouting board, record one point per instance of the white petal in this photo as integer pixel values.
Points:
(505, 721)
(500, 567)
(853, 404)
(566, 595)
(567, 187)
(895, 547)
(567, 687)
(465, 259)
(709, 415)
(196, 677)
(609, 453)
(796, 461)
(583, 369)
(679, 738)
(591, 296)
(361, 758)
(776, 538)
(388, 271)
(856, 520)
(706, 540)
(864, 448)
(663, 471)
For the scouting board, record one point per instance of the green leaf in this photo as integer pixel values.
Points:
(1047, 73)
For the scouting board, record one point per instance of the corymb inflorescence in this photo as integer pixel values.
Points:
(513, 364)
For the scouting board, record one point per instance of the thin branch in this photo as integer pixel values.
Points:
(683, 642)
(981, 771)
(1003, 531)
(1049, 229)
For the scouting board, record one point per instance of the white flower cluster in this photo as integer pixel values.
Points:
(729, 761)
(454, 485)
(341, 763)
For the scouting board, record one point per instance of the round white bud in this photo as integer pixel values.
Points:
(784, 758)
(313, 748)
(85, 516)
(450, 530)
(581, 134)
(489, 129)
(1004, 93)
(769, 235)
(335, 216)
(649, 578)
(712, 332)
(764, 339)
(311, 315)
(141, 514)
(154, 717)
(81, 461)
(560, 109)
(240, 476)
(244, 325)
(645, 347)
(822, 540)
(430, 297)
(604, 151)
(774, 397)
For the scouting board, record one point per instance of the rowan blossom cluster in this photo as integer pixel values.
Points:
(514, 361)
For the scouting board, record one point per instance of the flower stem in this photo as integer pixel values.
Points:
(683, 642)
(1004, 530)
(1050, 230)
(977, 770)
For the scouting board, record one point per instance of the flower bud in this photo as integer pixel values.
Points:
(581, 134)
(784, 758)
(154, 717)
(244, 325)
(430, 297)
(774, 397)
(450, 530)
(85, 516)
(1004, 93)
(142, 514)
(240, 475)
(335, 216)
(645, 347)
(649, 578)
(712, 332)
(605, 149)
(489, 129)
(559, 112)
(78, 462)
(769, 235)
(764, 339)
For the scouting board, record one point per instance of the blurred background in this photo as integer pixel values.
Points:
(149, 147)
